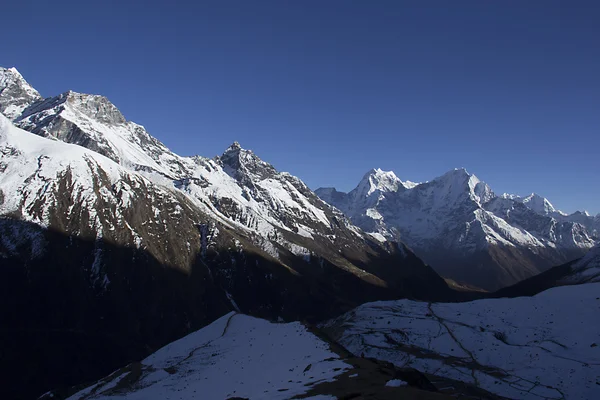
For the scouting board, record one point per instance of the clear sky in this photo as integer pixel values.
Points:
(329, 89)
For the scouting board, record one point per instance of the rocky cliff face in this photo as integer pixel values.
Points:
(459, 226)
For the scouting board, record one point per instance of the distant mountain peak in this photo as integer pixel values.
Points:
(379, 180)
(538, 204)
(458, 182)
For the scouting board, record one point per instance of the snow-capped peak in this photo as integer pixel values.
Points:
(379, 180)
(538, 204)
(459, 181)
(15, 93)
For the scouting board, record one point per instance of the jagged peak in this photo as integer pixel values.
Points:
(11, 76)
(457, 176)
(12, 71)
(245, 161)
(234, 148)
(377, 179)
(538, 203)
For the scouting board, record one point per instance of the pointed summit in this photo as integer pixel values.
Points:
(15, 93)
(244, 162)
(458, 182)
(539, 204)
(235, 146)
(378, 180)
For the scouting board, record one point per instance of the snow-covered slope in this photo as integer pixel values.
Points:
(235, 356)
(92, 121)
(241, 357)
(542, 347)
(585, 270)
(459, 226)
(15, 93)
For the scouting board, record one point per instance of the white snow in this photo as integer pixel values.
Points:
(546, 346)
(236, 355)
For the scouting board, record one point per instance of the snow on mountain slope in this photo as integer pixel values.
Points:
(459, 226)
(241, 357)
(31, 164)
(541, 347)
(238, 189)
(585, 270)
(94, 122)
(542, 206)
(68, 187)
(538, 204)
(274, 211)
(15, 93)
(235, 356)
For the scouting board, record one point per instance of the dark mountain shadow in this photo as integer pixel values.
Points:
(68, 319)
(538, 283)
(62, 324)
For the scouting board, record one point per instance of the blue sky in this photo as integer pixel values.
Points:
(327, 90)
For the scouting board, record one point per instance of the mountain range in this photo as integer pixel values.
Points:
(126, 245)
(112, 245)
(466, 232)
